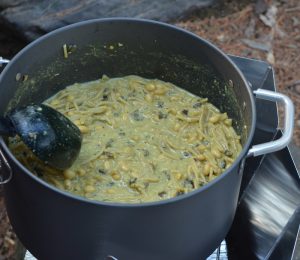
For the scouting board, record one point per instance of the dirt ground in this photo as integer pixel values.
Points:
(266, 30)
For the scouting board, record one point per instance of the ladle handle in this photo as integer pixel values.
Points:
(283, 141)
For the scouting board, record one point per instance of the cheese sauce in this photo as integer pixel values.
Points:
(143, 140)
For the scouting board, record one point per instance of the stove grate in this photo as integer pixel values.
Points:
(219, 254)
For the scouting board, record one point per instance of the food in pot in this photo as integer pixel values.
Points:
(143, 140)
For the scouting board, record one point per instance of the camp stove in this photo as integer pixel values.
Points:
(267, 221)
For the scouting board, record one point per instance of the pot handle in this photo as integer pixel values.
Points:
(3, 161)
(3, 61)
(283, 141)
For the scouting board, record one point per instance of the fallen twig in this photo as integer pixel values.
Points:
(257, 45)
(292, 9)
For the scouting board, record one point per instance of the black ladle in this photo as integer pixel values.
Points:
(51, 136)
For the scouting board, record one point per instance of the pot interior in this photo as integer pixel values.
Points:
(123, 47)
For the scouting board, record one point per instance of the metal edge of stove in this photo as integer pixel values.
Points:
(259, 75)
(248, 239)
(296, 250)
(267, 217)
(289, 235)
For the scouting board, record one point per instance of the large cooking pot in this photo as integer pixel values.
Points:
(54, 224)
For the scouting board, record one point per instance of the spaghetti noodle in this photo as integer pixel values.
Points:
(143, 140)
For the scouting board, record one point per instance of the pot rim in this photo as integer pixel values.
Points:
(237, 161)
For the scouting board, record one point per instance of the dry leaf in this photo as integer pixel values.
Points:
(257, 45)
(269, 19)
(271, 58)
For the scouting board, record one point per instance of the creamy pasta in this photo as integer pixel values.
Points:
(143, 140)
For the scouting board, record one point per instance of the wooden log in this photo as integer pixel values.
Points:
(34, 18)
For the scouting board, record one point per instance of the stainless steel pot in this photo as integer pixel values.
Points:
(53, 224)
